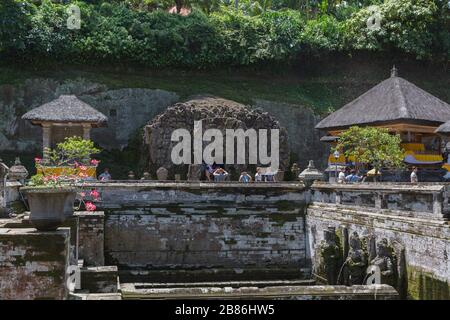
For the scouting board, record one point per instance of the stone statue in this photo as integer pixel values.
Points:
(330, 256)
(384, 261)
(162, 174)
(295, 170)
(146, 176)
(354, 268)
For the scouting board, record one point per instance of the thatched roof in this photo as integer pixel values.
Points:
(67, 108)
(393, 100)
(444, 128)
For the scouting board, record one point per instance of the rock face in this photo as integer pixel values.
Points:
(127, 110)
(215, 113)
(304, 140)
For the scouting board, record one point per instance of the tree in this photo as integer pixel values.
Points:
(374, 146)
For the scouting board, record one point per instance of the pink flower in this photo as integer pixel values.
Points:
(83, 168)
(76, 164)
(95, 162)
(82, 194)
(90, 206)
(94, 193)
(37, 160)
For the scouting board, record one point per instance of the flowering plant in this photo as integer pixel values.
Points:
(87, 200)
(74, 151)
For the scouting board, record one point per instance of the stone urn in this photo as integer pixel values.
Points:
(49, 207)
(18, 171)
(279, 176)
(162, 174)
(310, 174)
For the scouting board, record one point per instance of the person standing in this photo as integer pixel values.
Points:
(414, 177)
(341, 177)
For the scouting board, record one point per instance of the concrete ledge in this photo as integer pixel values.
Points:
(382, 186)
(95, 296)
(192, 184)
(375, 292)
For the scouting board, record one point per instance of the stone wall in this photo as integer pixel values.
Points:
(127, 110)
(417, 224)
(33, 264)
(91, 237)
(228, 227)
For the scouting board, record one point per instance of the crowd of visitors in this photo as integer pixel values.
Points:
(353, 176)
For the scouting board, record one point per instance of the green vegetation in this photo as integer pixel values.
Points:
(371, 145)
(216, 33)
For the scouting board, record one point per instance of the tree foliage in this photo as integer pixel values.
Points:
(374, 146)
(215, 33)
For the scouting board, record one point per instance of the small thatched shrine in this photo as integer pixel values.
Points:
(64, 117)
(403, 108)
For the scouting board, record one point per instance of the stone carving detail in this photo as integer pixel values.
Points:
(215, 113)
(386, 263)
(329, 257)
(162, 174)
(354, 268)
(146, 176)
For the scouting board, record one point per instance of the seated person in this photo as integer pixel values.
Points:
(258, 175)
(352, 177)
(220, 175)
(105, 176)
(245, 177)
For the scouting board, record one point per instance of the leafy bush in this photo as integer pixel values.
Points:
(127, 32)
(405, 25)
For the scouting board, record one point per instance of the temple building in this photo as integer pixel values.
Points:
(64, 117)
(403, 108)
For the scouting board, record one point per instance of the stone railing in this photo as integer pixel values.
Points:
(427, 200)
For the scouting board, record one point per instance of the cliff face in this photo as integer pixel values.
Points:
(128, 110)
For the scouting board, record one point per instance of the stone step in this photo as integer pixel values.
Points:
(373, 292)
(233, 284)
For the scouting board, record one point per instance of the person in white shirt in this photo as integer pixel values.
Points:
(258, 175)
(414, 177)
(341, 177)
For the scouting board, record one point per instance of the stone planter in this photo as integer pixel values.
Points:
(49, 207)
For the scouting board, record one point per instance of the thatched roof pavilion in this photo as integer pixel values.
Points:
(403, 108)
(64, 117)
(393, 101)
(444, 129)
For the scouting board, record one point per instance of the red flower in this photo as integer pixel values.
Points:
(94, 162)
(90, 206)
(37, 160)
(94, 193)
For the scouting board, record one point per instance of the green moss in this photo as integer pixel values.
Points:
(263, 234)
(229, 241)
(281, 219)
(424, 286)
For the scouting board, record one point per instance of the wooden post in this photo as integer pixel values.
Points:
(46, 138)
(86, 131)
